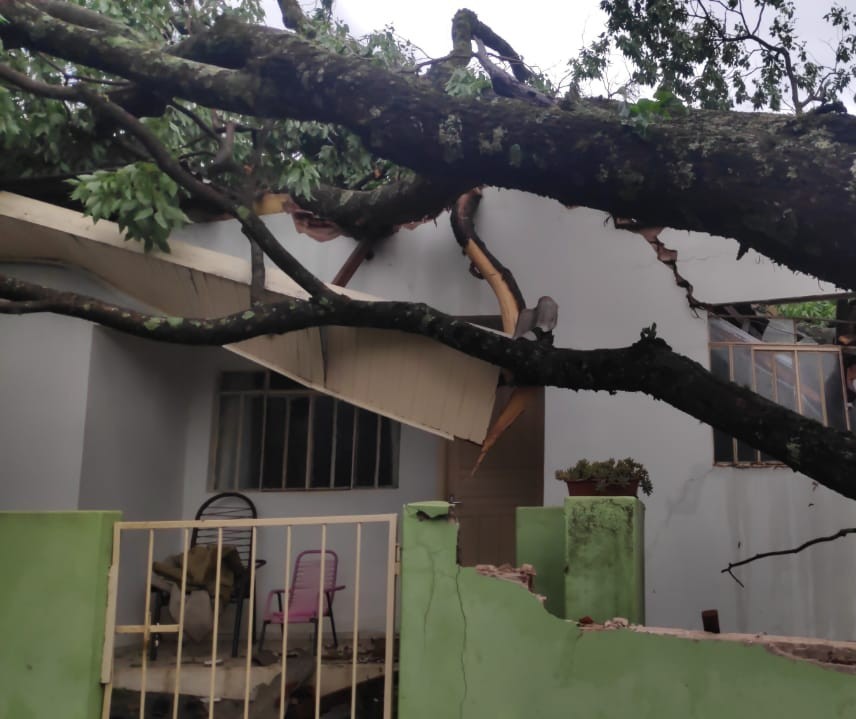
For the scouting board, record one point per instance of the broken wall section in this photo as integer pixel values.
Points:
(588, 555)
(475, 647)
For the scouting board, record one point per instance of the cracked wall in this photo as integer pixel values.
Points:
(477, 648)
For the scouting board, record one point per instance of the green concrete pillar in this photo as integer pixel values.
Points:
(539, 535)
(53, 602)
(604, 549)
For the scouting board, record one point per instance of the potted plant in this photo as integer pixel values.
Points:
(608, 478)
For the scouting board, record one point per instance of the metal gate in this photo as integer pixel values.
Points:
(285, 527)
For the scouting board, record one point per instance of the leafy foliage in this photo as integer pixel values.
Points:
(814, 310)
(643, 112)
(464, 82)
(718, 53)
(51, 139)
(141, 198)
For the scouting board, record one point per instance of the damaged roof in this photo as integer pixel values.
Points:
(409, 378)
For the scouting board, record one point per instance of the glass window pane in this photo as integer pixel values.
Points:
(344, 444)
(250, 449)
(388, 469)
(764, 373)
(274, 443)
(746, 453)
(811, 391)
(366, 450)
(227, 442)
(719, 362)
(742, 357)
(298, 434)
(723, 447)
(322, 440)
(786, 391)
(833, 391)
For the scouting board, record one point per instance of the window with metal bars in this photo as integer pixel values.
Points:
(271, 433)
(805, 378)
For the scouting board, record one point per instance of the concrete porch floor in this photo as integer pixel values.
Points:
(195, 675)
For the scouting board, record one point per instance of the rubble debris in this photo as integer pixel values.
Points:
(523, 575)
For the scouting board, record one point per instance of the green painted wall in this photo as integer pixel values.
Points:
(475, 647)
(605, 565)
(538, 536)
(53, 598)
(588, 556)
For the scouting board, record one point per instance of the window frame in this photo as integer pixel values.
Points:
(795, 350)
(265, 392)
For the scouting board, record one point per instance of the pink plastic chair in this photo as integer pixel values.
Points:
(303, 594)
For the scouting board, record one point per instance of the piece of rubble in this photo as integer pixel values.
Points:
(616, 623)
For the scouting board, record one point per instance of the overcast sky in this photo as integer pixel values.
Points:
(551, 32)
(547, 33)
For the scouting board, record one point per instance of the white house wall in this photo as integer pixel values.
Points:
(134, 448)
(418, 477)
(44, 374)
(609, 285)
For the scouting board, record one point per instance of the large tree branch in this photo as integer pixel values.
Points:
(782, 552)
(781, 185)
(252, 226)
(648, 366)
(379, 212)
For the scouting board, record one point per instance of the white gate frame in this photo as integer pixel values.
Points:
(147, 628)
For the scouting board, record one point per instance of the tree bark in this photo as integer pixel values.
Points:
(784, 186)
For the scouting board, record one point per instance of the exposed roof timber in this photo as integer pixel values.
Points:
(409, 378)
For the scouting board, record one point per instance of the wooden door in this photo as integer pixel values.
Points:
(511, 476)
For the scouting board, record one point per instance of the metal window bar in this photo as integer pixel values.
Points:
(223, 526)
(285, 440)
(236, 478)
(244, 397)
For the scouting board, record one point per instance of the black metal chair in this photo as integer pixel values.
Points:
(226, 505)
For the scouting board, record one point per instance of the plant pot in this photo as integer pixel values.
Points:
(589, 488)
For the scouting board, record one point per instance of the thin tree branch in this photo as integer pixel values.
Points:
(648, 366)
(781, 552)
(507, 86)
